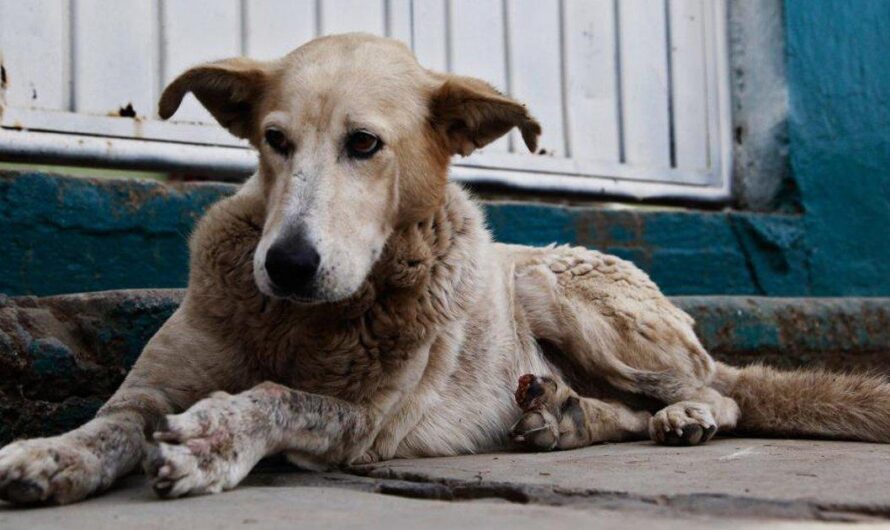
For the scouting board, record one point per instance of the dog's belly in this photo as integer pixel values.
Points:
(464, 402)
(474, 409)
(469, 420)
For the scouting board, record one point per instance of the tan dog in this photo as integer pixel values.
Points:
(348, 305)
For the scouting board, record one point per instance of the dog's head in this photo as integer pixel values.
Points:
(354, 141)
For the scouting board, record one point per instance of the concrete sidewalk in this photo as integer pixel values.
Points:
(729, 483)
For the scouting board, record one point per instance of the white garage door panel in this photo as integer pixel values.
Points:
(34, 43)
(632, 94)
(398, 21)
(106, 77)
(534, 40)
(689, 83)
(194, 31)
(275, 27)
(591, 85)
(430, 34)
(478, 47)
(342, 16)
(644, 82)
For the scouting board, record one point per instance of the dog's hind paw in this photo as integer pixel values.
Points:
(543, 400)
(683, 423)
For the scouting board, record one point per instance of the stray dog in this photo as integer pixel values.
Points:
(347, 305)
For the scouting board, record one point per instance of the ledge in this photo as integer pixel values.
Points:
(64, 234)
(64, 355)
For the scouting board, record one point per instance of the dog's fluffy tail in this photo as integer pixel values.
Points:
(808, 403)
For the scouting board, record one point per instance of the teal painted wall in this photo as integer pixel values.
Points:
(62, 235)
(839, 124)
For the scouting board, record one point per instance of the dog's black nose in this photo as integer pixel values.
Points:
(291, 263)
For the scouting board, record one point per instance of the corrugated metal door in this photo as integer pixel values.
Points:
(632, 94)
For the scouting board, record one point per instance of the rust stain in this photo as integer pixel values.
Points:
(137, 126)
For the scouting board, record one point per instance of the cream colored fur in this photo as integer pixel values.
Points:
(420, 328)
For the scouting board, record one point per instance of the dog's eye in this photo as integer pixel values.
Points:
(278, 142)
(362, 144)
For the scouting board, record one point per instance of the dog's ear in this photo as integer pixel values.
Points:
(229, 89)
(471, 114)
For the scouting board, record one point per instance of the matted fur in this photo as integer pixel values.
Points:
(420, 328)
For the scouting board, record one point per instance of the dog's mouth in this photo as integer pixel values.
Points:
(302, 298)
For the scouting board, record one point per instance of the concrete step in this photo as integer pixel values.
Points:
(62, 356)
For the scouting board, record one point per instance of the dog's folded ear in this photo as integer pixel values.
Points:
(229, 89)
(471, 114)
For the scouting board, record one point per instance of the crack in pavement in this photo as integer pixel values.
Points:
(417, 486)
(420, 486)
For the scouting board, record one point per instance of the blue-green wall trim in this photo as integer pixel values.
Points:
(61, 235)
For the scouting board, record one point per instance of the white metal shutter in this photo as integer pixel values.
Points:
(633, 95)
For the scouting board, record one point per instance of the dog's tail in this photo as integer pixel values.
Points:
(808, 403)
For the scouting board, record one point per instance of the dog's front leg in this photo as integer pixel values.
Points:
(179, 365)
(213, 445)
(85, 461)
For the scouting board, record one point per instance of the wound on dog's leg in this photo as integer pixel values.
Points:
(322, 426)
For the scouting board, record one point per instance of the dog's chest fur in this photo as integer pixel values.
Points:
(426, 278)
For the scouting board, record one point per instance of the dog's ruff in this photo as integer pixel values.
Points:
(425, 338)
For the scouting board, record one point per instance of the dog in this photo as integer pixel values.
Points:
(347, 305)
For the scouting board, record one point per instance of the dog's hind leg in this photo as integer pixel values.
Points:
(610, 322)
(556, 417)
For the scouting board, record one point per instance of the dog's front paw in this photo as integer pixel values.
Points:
(48, 470)
(207, 449)
(683, 423)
